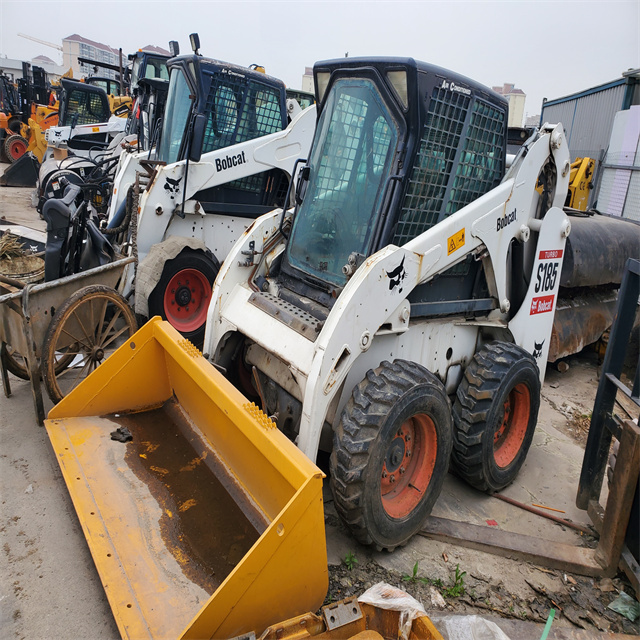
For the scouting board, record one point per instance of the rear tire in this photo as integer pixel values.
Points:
(183, 293)
(391, 453)
(15, 147)
(495, 416)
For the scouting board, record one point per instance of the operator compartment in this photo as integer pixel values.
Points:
(194, 505)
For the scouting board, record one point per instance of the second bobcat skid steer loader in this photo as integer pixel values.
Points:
(412, 270)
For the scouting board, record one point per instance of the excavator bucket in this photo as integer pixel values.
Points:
(204, 520)
(22, 173)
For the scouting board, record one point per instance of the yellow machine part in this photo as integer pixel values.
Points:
(37, 141)
(44, 115)
(580, 180)
(209, 522)
(350, 620)
(120, 105)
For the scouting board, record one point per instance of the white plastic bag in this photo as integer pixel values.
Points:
(470, 628)
(385, 596)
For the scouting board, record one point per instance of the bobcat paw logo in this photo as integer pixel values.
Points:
(537, 349)
(172, 186)
(397, 276)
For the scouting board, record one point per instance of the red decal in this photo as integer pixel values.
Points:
(550, 255)
(492, 523)
(541, 304)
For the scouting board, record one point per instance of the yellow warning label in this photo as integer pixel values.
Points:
(95, 129)
(455, 242)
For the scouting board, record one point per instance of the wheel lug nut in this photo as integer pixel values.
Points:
(408, 437)
(408, 453)
(402, 470)
(187, 308)
(173, 302)
(173, 290)
(384, 474)
(393, 478)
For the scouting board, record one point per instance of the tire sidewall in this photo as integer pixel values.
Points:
(522, 372)
(420, 399)
(186, 259)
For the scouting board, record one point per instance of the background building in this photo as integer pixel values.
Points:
(588, 115)
(516, 98)
(307, 80)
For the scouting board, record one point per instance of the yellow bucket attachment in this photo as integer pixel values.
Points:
(352, 620)
(209, 522)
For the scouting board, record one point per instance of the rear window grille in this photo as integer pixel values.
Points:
(428, 183)
(481, 163)
(238, 111)
(89, 107)
(251, 184)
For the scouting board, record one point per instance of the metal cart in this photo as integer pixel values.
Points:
(60, 331)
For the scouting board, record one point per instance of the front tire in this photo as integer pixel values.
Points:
(15, 147)
(495, 416)
(183, 293)
(391, 453)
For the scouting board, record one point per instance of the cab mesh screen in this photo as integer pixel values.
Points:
(477, 169)
(239, 110)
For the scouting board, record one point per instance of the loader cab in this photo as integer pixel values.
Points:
(212, 105)
(399, 146)
(83, 104)
(149, 66)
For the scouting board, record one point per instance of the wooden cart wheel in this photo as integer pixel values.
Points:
(15, 362)
(87, 328)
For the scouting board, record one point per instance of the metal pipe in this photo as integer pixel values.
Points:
(561, 521)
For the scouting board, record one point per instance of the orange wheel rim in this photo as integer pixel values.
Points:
(408, 466)
(186, 300)
(512, 428)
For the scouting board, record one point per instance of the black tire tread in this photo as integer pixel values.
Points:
(474, 399)
(365, 411)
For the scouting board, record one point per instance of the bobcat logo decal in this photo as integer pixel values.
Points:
(397, 276)
(172, 186)
(537, 349)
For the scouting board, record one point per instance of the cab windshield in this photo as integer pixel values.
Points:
(349, 165)
(176, 115)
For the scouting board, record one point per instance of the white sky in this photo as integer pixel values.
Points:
(546, 48)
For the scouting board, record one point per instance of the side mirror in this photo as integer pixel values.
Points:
(197, 137)
(74, 120)
(303, 181)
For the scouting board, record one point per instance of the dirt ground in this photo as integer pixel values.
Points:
(50, 588)
(472, 582)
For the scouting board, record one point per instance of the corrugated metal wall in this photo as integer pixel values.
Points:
(587, 119)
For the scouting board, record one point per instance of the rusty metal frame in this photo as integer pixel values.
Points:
(612, 522)
(25, 315)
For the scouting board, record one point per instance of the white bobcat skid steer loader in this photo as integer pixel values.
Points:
(413, 269)
(225, 156)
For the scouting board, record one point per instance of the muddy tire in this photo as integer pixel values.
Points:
(183, 293)
(495, 416)
(391, 453)
(86, 329)
(15, 147)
